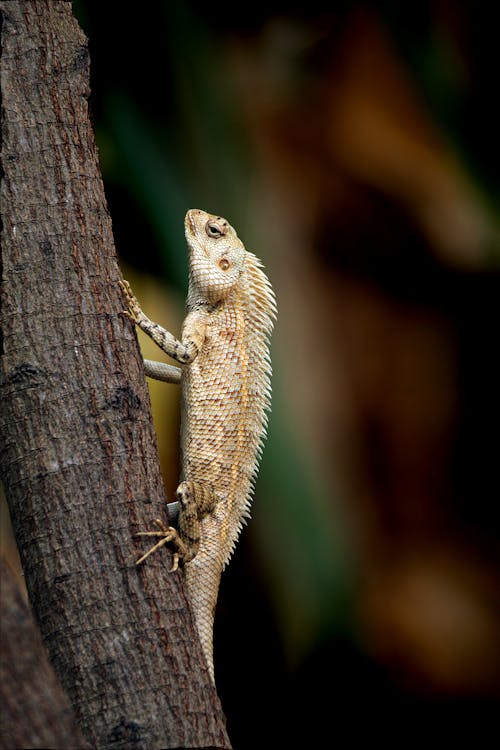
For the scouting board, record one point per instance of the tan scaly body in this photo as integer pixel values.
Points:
(226, 388)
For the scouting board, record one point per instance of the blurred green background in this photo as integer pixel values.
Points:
(355, 150)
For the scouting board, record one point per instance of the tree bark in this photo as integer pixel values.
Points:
(35, 711)
(78, 453)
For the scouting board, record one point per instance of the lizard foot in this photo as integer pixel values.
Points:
(134, 309)
(167, 534)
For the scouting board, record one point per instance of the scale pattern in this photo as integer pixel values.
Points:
(226, 392)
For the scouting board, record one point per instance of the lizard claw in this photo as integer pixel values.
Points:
(125, 287)
(167, 534)
(129, 315)
(132, 313)
(175, 563)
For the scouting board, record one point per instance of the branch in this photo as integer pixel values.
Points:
(78, 457)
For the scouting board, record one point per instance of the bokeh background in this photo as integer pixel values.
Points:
(355, 150)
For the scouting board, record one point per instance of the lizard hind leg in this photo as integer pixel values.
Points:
(197, 500)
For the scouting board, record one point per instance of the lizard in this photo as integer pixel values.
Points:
(225, 378)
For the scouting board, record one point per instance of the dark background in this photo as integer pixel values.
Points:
(355, 150)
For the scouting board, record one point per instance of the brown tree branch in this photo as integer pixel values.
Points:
(78, 454)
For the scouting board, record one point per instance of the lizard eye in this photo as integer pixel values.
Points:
(213, 229)
(224, 264)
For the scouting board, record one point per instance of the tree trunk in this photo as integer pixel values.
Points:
(78, 454)
(35, 712)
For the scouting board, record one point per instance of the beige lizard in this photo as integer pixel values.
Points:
(226, 389)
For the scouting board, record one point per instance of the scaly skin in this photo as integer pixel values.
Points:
(226, 389)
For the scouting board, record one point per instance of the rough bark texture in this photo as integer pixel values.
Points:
(78, 453)
(34, 711)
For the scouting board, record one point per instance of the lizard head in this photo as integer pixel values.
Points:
(216, 255)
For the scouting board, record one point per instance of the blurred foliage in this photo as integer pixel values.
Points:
(451, 50)
(355, 150)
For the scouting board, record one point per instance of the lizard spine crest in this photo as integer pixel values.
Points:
(258, 304)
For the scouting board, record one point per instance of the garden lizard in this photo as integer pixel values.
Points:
(225, 378)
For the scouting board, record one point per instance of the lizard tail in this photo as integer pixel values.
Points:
(202, 576)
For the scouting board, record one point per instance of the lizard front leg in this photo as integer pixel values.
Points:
(197, 500)
(193, 330)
